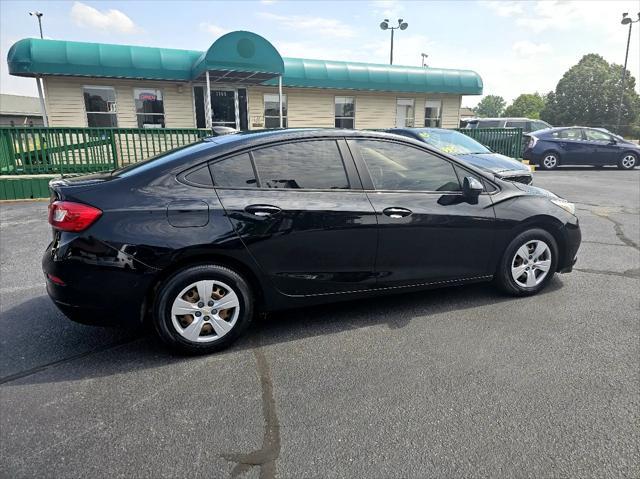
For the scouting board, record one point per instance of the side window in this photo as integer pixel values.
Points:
(539, 125)
(595, 135)
(234, 172)
(399, 167)
(199, 177)
(516, 124)
(570, 134)
(489, 124)
(308, 164)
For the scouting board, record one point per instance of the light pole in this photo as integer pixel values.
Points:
(626, 20)
(402, 25)
(39, 15)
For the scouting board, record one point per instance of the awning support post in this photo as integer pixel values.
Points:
(207, 104)
(43, 106)
(280, 99)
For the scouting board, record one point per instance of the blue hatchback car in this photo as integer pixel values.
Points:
(467, 149)
(578, 145)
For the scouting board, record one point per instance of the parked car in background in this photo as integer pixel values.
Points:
(528, 125)
(277, 219)
(577, 145)
(467, 149)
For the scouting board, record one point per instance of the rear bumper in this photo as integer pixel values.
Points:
(97, 294)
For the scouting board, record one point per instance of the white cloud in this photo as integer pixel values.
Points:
(504, 8)
(111, 20)
(525, 48)
(212, 29)
(330, 27)
(390, 9)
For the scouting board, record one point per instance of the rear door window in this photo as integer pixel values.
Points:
(393, 166)
(489, 124)
(595, 135)
(315, 164)
(517, 124)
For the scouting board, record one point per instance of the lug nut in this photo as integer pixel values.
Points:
(200, 304)
(210, 303)
(214, 311)
(206, 318)
(198, 313)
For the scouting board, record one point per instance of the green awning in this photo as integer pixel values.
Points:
(237, 57)
(300, 72)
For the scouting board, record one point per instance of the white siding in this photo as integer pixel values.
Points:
(65, 103)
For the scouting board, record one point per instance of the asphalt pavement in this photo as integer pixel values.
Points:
(458, 382)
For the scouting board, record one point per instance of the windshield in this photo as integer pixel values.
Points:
(452, 142)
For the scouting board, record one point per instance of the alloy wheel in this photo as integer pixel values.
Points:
(550, 161)
(205, 311)
(531, 263)
(628, 161)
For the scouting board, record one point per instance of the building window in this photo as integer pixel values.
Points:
(149, 107)
(100, 105)
(272, 110)
(404, 113)
(433, 113)
(345, 112)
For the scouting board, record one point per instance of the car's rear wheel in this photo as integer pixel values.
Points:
(202, 309)
(550, 160)
(628, 161)
(528, 263)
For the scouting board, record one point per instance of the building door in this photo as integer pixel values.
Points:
(228, 107)
(223, 108)
(404, 113)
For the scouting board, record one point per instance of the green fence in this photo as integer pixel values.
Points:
(39, 150)
(508, 141)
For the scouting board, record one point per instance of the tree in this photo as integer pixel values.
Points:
(588, 94)
(528, 105)
(490, 106)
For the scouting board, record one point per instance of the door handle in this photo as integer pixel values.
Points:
(262, 210)
(394, 212)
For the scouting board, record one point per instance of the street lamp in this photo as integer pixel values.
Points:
(402, 25)
(626, 20)
(39, 15)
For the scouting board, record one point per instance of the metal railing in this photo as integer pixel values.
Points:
(508, 141)
(40, 150)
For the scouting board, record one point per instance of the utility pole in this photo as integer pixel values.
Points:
(625, 21)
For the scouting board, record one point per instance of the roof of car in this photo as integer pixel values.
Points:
(292, 133)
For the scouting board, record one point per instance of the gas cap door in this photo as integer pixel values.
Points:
(188, 213)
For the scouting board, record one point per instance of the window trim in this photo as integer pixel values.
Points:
(367, 182)
(135, 111)
(344, 117)
(285, 104)
(84, 105)
(439, 118)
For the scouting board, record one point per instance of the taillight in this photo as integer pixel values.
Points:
(70, 216)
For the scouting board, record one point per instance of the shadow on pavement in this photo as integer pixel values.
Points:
(34, 351)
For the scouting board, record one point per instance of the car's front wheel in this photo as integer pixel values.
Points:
(202, 309)
(528, 263)
(550, 161)
(628, 161)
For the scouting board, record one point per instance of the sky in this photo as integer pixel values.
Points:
(516, 46)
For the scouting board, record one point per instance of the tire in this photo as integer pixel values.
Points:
(512, 262)
(212, 328)
(550, 160)
(628, 161)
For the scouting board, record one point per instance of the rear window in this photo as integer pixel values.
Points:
(313, 164)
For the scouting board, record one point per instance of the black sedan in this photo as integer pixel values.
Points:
(467, 149)
(578, 145)
(197, 239)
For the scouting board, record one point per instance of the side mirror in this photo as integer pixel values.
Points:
(471, 188)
